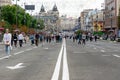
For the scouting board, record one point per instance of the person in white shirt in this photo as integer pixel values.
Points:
(84, 38)
(7, 41)
(20, 38)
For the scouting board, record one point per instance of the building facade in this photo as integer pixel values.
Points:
(84, 19)
(5, 2)
(98, 20)
(111, 15)
(50, 18)
(67, 23)
(92, 20)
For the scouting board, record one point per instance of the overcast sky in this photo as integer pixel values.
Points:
(71, 8)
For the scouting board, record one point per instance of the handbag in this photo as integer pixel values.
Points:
(7, 43)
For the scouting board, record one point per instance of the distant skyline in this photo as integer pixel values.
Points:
(71, 8)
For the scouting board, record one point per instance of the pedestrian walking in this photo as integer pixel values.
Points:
(20, 38)
(95, 37)
(32, 38)
(74, 38)
(7, 41)
(83, 38)
(36, 39)
(15, 38)
(79, 38)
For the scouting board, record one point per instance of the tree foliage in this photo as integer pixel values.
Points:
(10, 13)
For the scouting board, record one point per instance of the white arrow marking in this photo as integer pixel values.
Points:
(116, 55)
(18, 66)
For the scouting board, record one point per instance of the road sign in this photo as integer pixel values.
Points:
(30, 7)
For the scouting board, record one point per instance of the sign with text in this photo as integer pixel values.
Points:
(30, 7)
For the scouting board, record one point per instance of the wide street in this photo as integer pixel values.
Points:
(62, 61)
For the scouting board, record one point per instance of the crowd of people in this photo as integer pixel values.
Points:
(17, 39)
(81, 38)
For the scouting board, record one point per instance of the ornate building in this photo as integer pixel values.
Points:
(51, 18)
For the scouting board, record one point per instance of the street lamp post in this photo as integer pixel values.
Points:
(16, 14)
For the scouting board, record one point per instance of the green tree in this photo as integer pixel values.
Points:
(41, 22)
(10, 13)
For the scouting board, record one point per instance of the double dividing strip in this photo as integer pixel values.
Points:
(65, 71)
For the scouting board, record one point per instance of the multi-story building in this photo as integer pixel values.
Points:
(84, 16)
(111, 14)
(67, 23)
(92, 20)
(98, 20)
(5, 2)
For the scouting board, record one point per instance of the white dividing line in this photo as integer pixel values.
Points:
(116, 55)
(95, 48)
(35, 47)
(28, 49)
(105, 55)
(65, 75)
(57, 67)
(19, 52)
(46, 48)
(1, 49)
(79, 52)
(4, 57)
(102, 50)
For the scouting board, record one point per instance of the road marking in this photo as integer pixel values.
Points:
(106, 55)
(1, 49)
(79, 52)
(116, 55)
(102, 50)
(35, 47)
(57, 67)
(115, 50)
(45, 48)
(65, 75)
(4, 57)
(28, 49)
(19, 52)
(18, 66)
(95, 48)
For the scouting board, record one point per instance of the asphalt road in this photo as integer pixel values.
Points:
(94, 61)
(62, 61)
